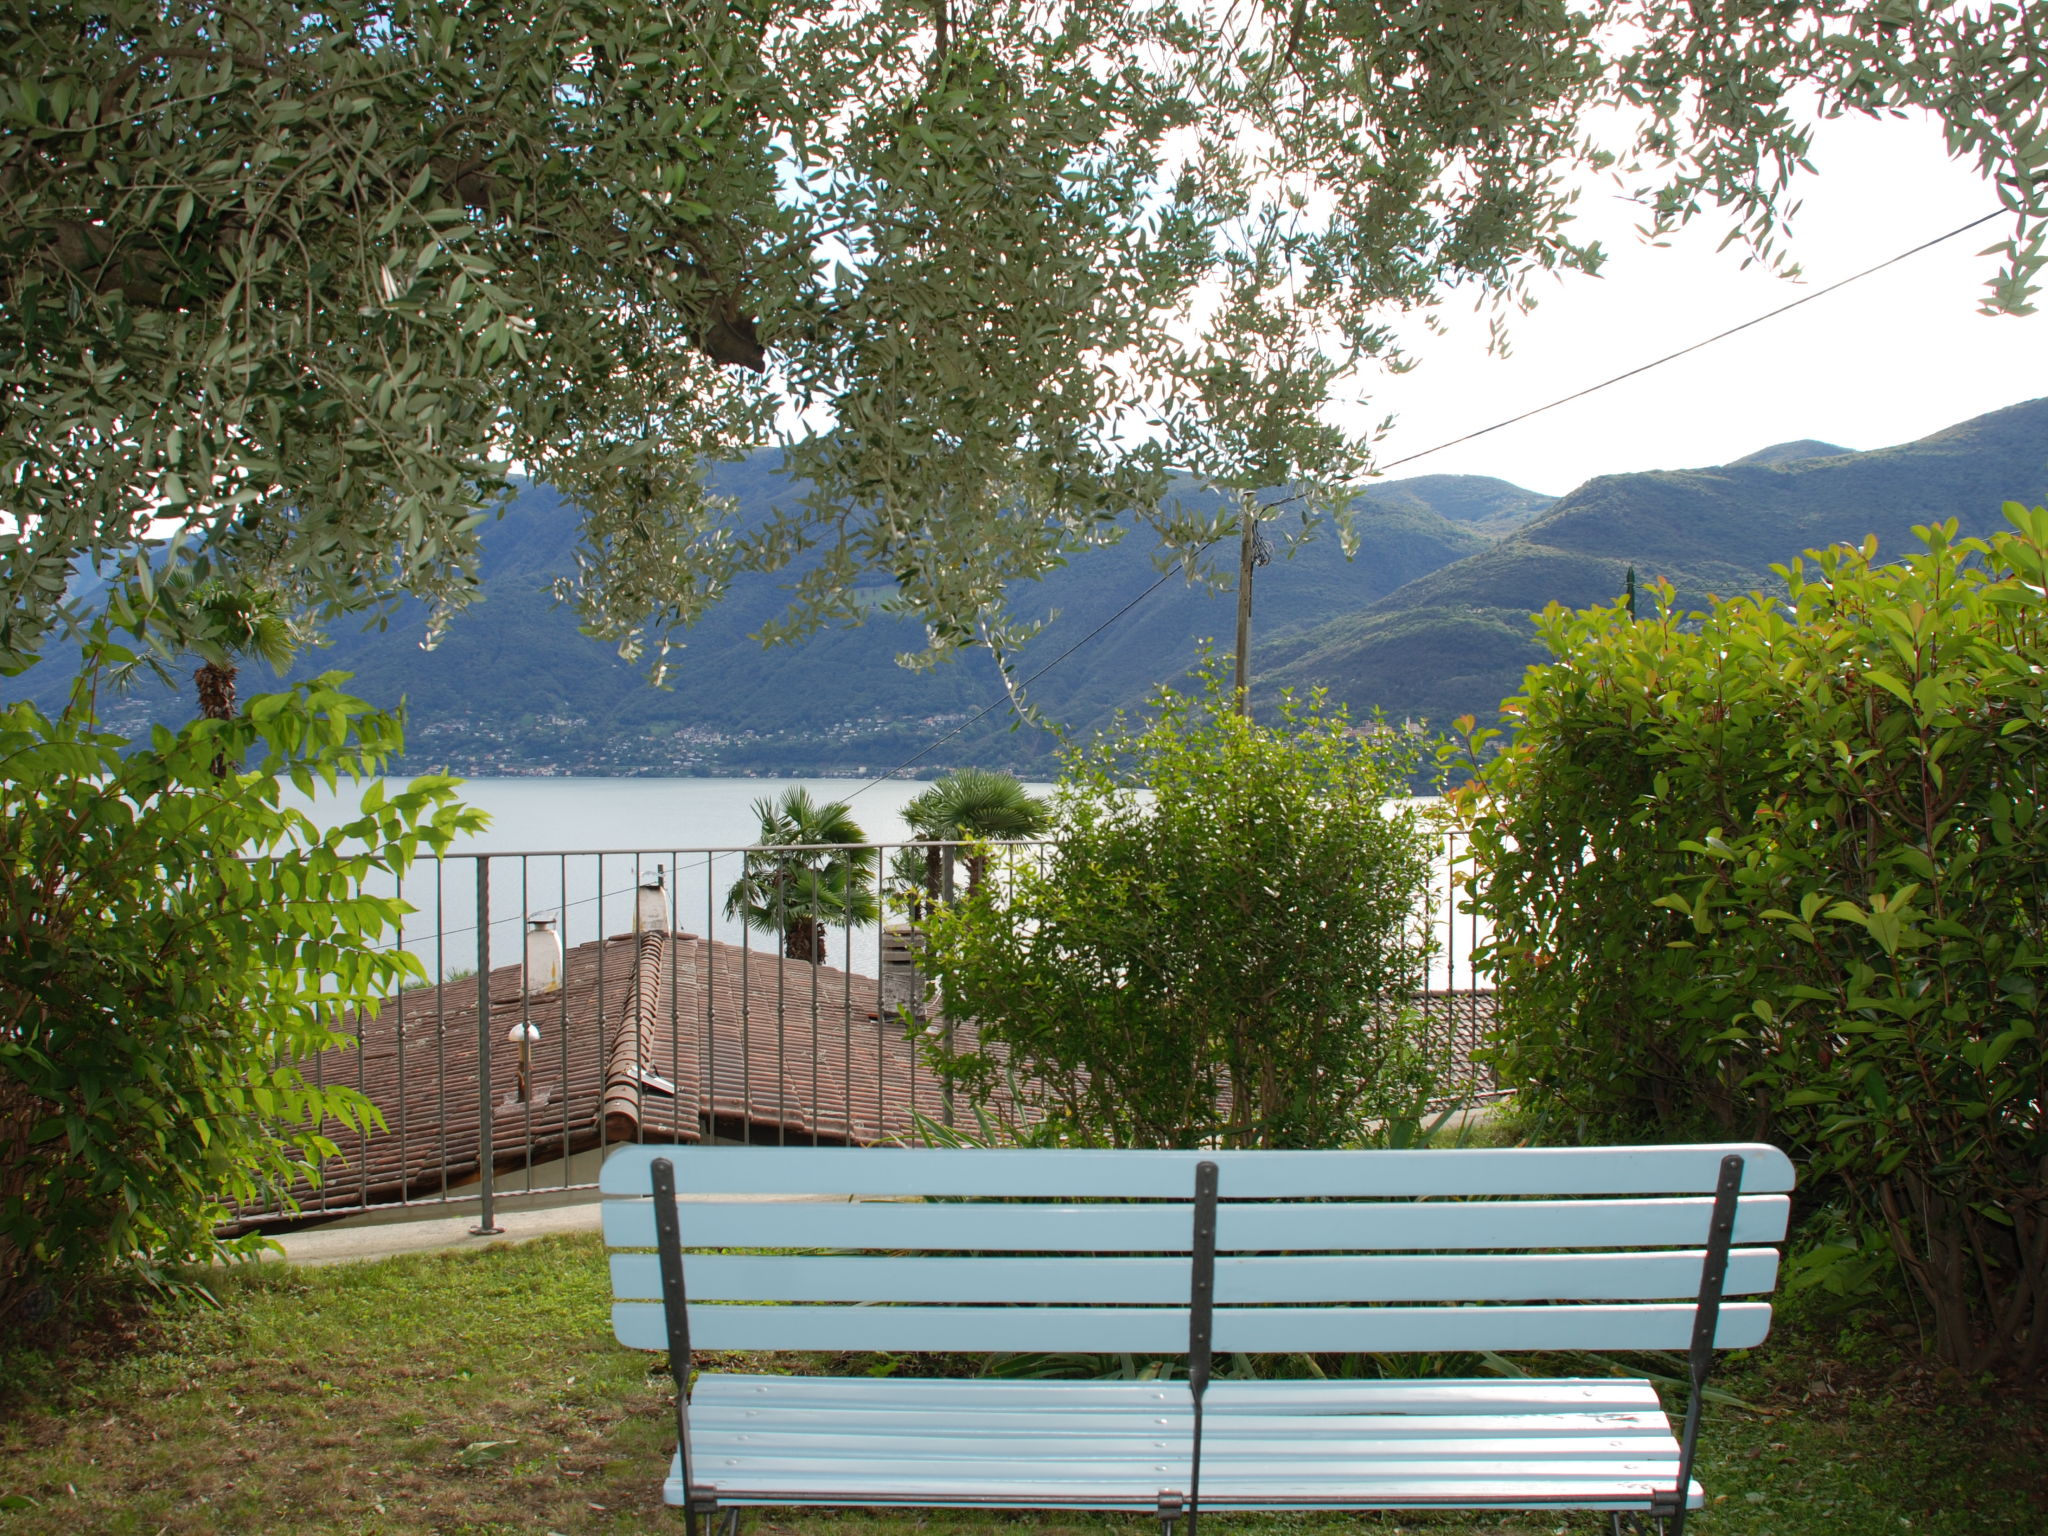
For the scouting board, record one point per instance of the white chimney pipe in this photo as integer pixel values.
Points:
(543, 957)
(650, 908)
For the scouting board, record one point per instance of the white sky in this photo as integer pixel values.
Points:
(1886, 360)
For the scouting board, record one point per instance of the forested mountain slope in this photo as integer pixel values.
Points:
(514, 686)
(1457, 640)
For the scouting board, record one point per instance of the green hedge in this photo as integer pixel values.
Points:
(1219, 947)
(1778, 870)
(170, 944)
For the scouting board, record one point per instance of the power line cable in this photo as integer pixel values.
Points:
(1669, 357)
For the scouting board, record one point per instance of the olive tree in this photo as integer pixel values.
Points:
(302, 283)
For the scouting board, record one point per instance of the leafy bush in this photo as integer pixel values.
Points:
(1220, 944)
(1778, 870)
(170, 944)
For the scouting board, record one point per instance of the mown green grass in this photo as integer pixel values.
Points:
(482, 1393)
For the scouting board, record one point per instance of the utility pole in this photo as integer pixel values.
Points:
(1251, 553)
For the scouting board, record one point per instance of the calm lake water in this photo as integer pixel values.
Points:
(573, 815)
(579, 849)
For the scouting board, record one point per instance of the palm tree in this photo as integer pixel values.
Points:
(230, 623)
(801, 891)
(973, 805)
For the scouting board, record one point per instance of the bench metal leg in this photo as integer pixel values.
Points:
(704, 1516)
(1638, 1525)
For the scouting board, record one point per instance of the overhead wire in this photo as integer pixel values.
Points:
(1551, 405)
(1579, 394)
(1561, 400)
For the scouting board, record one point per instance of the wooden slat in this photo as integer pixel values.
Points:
(1272, 1430)
(1072, 1445)
(1602, 1491)
(1130, 1174)
(1166, 1228)
(1308, 1399)
(1163, 1330)
(1164, 1281)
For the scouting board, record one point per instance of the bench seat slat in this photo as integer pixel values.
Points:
(1074, 1444)
(1278, 1428)
(1619, 1223)
(761, 1439)
(1126, 1173)
(861, 1428)
(1305, 1399)
(1163, 1330)
(1164, 1281)
(1599, 1491)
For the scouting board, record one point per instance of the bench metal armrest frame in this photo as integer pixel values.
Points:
(675, 1311)
(1201, 1322)
(1705, 1321)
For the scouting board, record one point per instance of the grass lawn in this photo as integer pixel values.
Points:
(482, 1393)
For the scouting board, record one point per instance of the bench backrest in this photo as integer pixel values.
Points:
(1087, 1251)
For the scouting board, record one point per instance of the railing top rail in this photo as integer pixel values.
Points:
(683, 848)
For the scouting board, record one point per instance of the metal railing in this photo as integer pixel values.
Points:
(741, 994)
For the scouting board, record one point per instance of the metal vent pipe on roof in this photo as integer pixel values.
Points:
(543, 956)
(650, 906)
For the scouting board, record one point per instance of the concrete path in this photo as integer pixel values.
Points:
(386, 1235)
(345, 1243)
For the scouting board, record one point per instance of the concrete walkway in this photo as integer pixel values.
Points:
(388, 1234)
(347, 1242)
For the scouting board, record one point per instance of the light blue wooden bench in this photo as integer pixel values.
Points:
(1599, 1248)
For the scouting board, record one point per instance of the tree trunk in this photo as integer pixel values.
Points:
(804, 939)
(217, 702)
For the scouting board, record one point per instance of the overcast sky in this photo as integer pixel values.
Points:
(1885, 360)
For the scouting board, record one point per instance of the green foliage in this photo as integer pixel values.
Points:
(171, 944)
(1220, 944)
(809, 875)
(306, 280)
(1776, 870)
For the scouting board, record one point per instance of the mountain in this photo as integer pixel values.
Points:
(1457, 640)
(1795, 451)
(514, 687)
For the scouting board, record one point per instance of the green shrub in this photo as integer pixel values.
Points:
(1778, 870)
(170, 943)
(1221, 943)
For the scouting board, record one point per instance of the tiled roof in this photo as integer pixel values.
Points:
(653, 1037)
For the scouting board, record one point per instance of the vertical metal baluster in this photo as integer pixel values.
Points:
(846, 1001)
(746, 1031)
(404, 1160)
(526, 1007)
(1478, 1031)
(562, 1007)
(672, 947)
(631, 1019)
(441, 1020)
(821, 929)
(320, 1083)
(708, 969)
(598, 1018)
(363, 1125)
(781, 1042)
(486, 1147)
